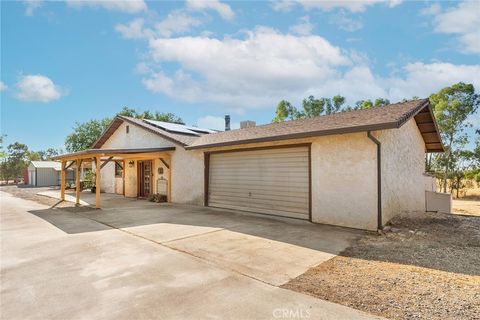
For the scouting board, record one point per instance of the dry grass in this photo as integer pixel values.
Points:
(429, 268)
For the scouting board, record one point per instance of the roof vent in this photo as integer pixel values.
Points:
(227, 123)
(247, 124)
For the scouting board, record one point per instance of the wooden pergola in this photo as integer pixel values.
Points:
(103, 156)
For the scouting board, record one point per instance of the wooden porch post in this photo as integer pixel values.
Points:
(123, 176)
(169, 197)
(97, 182)
(77, 180)
(62, 181)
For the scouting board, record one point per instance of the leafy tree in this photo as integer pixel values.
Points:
(159, 116)
(452, 106)
(285, 111)
(49, 153)
(85, 134)
(337, 103)
(381, 102)
(312, 107)
(16, 162)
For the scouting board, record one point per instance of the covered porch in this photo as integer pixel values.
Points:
(141, 171)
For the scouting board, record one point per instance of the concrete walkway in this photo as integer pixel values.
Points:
(61, 264)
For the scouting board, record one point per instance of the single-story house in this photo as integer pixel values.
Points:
(355, 169)
(46, 173)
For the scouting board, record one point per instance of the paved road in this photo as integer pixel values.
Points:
(107, 273)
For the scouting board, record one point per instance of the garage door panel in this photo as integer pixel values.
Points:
(298, 198)
(274, 212)
(260, 205)
(262, 191)
(273, 181)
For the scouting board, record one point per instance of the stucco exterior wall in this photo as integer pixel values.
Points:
(130, 179)
(403, 165)
(343, 178)
(344, 181)
(136, 138)
(187, 176)
(107, 178)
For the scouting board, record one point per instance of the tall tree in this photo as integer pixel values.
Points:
(285, 111)
(159, 116)
(452, 106)
(17, 160)
(312, 107)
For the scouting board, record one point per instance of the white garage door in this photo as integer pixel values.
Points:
(272, 181)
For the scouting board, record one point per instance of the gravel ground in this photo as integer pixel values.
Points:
(424, 268)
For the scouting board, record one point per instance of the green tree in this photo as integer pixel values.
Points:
(17, 160)
(85, 134)
(49, 153)
(285, 111)
(312, 107)
(159, 116)
(452, 106)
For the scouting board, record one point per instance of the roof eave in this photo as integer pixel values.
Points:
(358, 129)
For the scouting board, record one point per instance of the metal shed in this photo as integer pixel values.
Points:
(46, 173)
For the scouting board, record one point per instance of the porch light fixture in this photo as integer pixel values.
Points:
(131, 163)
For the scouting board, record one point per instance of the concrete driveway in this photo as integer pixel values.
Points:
(140, 260)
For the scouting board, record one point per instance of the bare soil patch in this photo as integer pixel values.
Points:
(466, 207)
(423, 268)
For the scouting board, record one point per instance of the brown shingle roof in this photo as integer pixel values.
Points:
(378, 118)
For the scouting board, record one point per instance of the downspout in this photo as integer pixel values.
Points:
(379, 179)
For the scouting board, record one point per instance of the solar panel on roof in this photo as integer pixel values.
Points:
(172, 127)
(178, 128)
(201, 130)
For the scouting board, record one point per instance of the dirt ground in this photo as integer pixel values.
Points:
(466, 207)
(424, 268)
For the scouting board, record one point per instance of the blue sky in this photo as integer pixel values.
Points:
(63, 62)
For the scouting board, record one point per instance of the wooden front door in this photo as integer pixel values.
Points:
(144, 178)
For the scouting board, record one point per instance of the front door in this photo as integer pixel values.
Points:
(144, 178)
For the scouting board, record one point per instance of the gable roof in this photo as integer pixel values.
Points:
(377, 118)
(182, 139)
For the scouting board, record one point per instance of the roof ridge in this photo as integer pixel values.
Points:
(336, 114)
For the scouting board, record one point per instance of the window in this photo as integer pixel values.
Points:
(128, 129)
(118, 170)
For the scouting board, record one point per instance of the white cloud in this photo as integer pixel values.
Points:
(134, 30)
(38, 88)
(345, 23)
(176, 22)
(222, 9)
(462, 20)
(215, 123)
(130, 6)
(3, 87)
(433, 9)
(264, 66)
(31, 6)
(420, 79)
(303, 27)
(243, 73)
(352, 5)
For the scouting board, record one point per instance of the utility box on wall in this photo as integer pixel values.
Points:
(438, 202)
